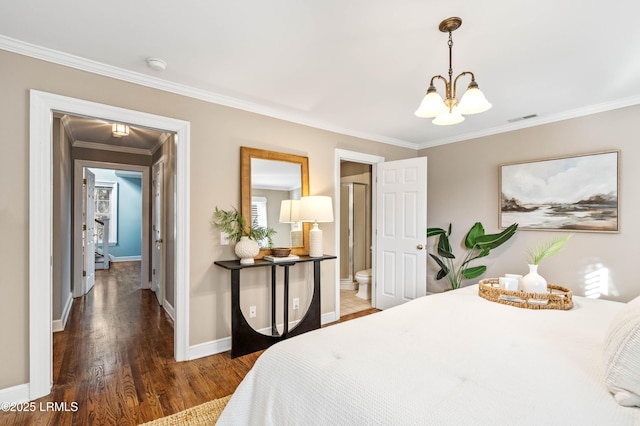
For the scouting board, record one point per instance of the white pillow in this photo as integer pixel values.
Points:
(622, 355)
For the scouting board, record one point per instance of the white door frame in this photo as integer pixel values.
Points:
(373, 160)
(78, 165)
(42, 107)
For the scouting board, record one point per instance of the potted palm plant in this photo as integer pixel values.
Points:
(244, 234)
(477, 243)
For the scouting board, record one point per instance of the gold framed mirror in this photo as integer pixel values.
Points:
(269, 180)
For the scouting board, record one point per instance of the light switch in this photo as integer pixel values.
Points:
(224, 239)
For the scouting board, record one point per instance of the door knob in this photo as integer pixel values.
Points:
(419, 246)
(159, 241)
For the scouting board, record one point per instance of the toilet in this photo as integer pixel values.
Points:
(364, 279)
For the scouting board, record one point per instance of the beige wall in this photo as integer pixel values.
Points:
(463, 189)
(217, 132)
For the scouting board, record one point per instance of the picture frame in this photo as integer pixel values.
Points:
(579, 193)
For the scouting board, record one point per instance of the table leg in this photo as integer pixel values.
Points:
(274, 327)
(285, 330)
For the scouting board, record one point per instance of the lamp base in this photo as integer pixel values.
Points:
(315, 242)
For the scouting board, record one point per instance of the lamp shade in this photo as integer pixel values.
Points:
(316, 208)
(448, 118)
(289, 211)
(473, 101)
(431, 105)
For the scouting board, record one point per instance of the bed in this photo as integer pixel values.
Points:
(452, 358)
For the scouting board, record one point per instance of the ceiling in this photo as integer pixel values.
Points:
(360, 67)
(86, 132)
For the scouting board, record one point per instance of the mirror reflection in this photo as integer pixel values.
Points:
(272, 185)
(275, 188)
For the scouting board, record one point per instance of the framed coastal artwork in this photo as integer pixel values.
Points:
(578, 193)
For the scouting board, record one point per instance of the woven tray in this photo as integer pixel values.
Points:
(556, 298)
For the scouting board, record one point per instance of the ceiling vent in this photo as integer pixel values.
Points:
(526, 117)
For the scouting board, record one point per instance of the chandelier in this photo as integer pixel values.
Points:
(449, 111)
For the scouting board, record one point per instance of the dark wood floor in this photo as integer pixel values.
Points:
(113, 364)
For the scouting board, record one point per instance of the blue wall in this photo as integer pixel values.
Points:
(129, 212)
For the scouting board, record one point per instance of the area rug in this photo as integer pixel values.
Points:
(200, 415)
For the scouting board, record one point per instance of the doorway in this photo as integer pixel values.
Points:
(42, 107)
(366, 163)
(399, 213)
(355, 237)
(79, 287)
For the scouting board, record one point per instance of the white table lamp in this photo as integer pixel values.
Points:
(290, 213)
(316, 208)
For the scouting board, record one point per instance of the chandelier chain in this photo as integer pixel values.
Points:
(450, 89)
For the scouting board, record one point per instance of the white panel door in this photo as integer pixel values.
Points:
(157, 253)
(401, 266)
(88, 234)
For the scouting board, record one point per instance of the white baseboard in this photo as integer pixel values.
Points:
(209, 348)
(213, 347)
(59, 324)
(15, 394)
(329, 317)
(348, 285)
(169, 309)
(125, 258)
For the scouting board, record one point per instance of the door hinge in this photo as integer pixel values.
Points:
(84, 227)
(84, 273)
(84, 181)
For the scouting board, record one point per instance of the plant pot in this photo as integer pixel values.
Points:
(246, 249)
(533, 282)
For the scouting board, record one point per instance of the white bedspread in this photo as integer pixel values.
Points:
(446, 359)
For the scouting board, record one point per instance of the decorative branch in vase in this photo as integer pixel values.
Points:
(244, 235)
(534, 282)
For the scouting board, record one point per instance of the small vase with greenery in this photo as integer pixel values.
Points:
(236, 226)
(246, 236)
(477, 243)
(533, 282)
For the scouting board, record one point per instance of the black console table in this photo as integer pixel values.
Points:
(244, 339)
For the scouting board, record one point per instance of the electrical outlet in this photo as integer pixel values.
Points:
(296, 303)
(224, 239)
(252, 311)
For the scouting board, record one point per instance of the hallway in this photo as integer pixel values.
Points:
(113, 363)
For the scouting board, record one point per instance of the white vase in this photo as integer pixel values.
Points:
(533, 282)
(246, 249)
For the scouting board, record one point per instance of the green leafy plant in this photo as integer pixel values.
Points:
(548, 249)
(478, 245)
(236, 226)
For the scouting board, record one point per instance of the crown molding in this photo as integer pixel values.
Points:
(113, 148)
(159, 142)
(83, 64)
(539, 121)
